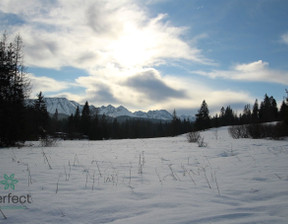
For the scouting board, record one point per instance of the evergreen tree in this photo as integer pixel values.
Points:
(268, 109)
(175, 125)
(54, 123)
(221, 116)
(115, 132)
(41, 116)
(230, 116)
(247, 115)
(71, 125)
(85, 119)
(283, 110)
(86, 111)
(255, 112)
(222, 112)
(76, 120)
(14, 88)
(103, 123)
(55, 116)
(202, 117)
(94, 127)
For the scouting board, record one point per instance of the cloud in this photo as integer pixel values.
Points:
(252, 67)
(46, 84)
(284, 38)
(257, 71)
(143, 89)
(119, 44)
(70, 96)
(61, 33)
(102, 94)
(197, 91)
(149, 83)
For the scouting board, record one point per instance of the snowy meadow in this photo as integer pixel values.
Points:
(160, 180)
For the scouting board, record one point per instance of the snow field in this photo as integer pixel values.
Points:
(160, 180)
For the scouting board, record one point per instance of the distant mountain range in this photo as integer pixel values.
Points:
(67, 107)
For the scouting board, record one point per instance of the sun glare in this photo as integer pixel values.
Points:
(133, 48)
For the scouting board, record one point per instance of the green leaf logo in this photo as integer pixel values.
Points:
(9, 181)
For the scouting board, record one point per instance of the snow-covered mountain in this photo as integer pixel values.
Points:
(112, 111)
(64, 106)
(154, 114)
(68, 107)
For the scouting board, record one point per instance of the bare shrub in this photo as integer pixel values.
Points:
(201, 142)
(193, 136)
(257, 131)
(48, 141)
(239, 131)
(46, 159)
(268, 130)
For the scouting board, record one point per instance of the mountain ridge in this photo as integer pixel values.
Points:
(68, 107)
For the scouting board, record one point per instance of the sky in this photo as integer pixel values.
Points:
(153, 54)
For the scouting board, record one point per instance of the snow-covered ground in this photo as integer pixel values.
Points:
(161, 180)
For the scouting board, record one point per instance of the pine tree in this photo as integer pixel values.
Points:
(85, 119)
(283, 110)
(202, 117)
(268, 109)
(222, 112)
(14, 88)
(247, 115)
(115, 132)
(54, 123)
(76, 121)
(175, 125)
(94, 130)
(255, 112)
(55, 116)
(41, 116)
(71, 125)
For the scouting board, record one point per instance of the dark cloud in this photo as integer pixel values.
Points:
(152, 86)
(100, 19)
(87, 57)
(42, 48)
(102, 94)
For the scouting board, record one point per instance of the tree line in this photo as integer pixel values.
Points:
(266, 111)
(84, 124)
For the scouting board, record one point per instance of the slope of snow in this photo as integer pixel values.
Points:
(161, 180)
(63, 105)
